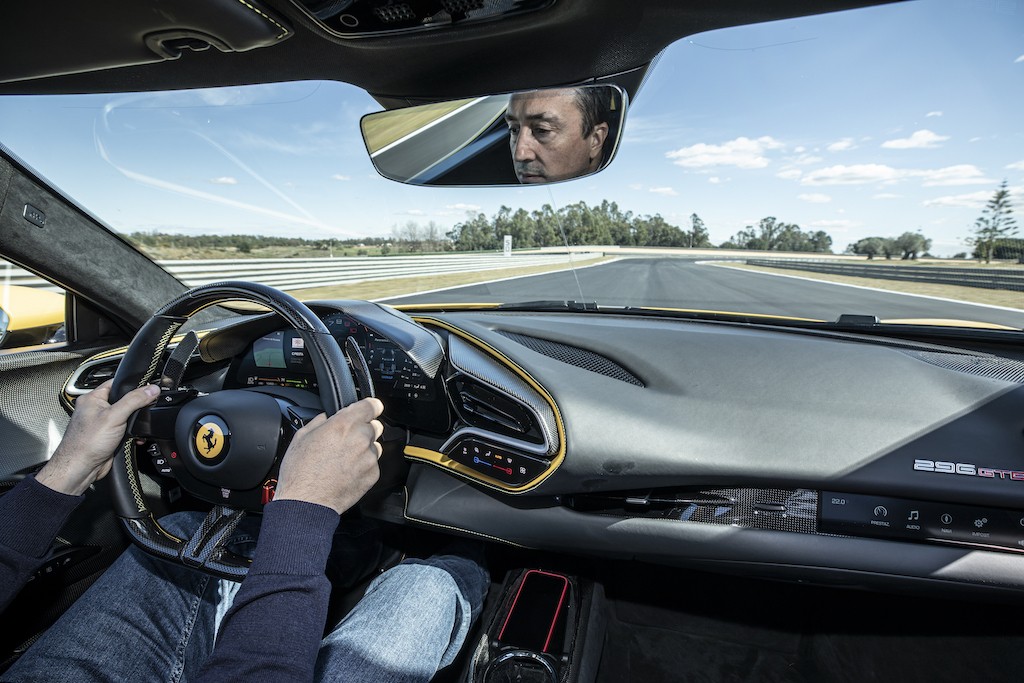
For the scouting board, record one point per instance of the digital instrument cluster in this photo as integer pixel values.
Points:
(395, 375)
(279, 358)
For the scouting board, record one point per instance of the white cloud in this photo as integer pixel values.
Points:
(933, 113)
(224, 180)
(338, 176)
(841, 145)
(800, 149)
(974, 139)
(636, 186)
(789, 174)
(1019, 60)
(972, 200)
(1016, 166)
(460, 206)
(961, 174)
(921, 139)
(857, 174)
(414, 212)
(815, 198)
(742, 152)
(714, 180)
(863, 174)
(666, 191)
(887, 195)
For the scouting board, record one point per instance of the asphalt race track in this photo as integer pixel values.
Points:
(683, 283)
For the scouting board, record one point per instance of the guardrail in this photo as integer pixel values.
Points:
(985, 278)
(292, 274)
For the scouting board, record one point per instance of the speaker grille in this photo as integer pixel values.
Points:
(992, 367)
(571, 355)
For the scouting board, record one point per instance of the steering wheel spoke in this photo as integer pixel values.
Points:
(300, 416)
(207, 545)
(157, 421)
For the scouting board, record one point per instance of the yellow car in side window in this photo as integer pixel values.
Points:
(29, 316)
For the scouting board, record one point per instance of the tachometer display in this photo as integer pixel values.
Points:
(394, 373)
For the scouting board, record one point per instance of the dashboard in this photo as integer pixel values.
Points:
(798, 454)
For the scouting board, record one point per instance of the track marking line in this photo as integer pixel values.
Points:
(722, 264)
(489, 282)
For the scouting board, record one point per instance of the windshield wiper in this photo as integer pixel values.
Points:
(552, 305)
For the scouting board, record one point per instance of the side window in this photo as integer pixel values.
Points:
(31, 309)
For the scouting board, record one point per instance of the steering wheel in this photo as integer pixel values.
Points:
(228, 442)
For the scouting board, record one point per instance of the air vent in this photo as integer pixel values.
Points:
(992, 367)
(501, 383)
(571, 355)
(482, 407)
(95, 375)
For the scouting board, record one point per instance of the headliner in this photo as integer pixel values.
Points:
(99, 46)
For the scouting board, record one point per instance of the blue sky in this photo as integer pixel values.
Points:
(861, 123)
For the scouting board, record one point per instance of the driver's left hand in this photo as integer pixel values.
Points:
(94, 433)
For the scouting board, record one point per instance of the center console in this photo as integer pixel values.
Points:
(546, 627)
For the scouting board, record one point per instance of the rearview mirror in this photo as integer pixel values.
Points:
(528, 137)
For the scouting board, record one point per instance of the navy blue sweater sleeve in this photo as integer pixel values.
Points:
(30, 517)
(274, 627)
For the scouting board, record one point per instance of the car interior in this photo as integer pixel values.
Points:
(662, 496)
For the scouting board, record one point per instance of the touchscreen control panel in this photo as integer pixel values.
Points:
(909, 520)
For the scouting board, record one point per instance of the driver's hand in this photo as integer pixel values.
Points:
(94, 433)
(333, 461)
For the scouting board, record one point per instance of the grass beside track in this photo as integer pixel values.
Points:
(993, 297)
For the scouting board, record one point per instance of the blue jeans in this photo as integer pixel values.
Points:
(148, 620)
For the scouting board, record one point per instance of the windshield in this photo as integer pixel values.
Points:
(866, 162)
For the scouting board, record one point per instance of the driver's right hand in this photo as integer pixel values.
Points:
(333, 461)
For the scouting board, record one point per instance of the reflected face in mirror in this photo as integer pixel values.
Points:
(557, 134)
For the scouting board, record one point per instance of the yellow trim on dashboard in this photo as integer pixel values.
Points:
(947, 322)
(494, 306)
(446, 307)
(443, 461)
(765, 316)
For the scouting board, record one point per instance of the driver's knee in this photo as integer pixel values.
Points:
(181, 524)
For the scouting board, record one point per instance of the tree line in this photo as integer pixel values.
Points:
(907, 246)
(772, 234)
(575, 224)
(246, 243)
(606, 223)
